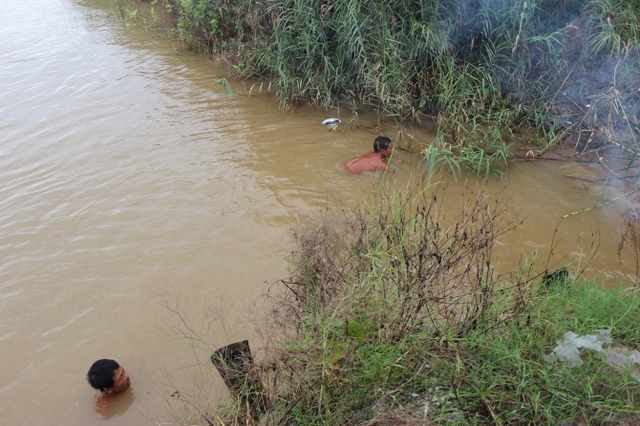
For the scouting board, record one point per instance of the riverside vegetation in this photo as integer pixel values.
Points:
(395, 314)
(477, 70)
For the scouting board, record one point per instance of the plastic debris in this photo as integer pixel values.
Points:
(568, 348)
(624, 358)
(620, 357)
(332, 123)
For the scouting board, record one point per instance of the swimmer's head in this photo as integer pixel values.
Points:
(108, 377)
(380, 143)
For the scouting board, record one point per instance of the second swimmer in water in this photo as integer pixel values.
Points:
(373, 161)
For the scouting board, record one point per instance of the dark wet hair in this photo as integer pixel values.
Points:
(100, 375)
(381, 142)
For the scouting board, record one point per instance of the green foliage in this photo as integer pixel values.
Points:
(615, 27)
(365, 291)
(215, 25)
(435, 159)
(478, 67)
(226, 87)
(355, 330)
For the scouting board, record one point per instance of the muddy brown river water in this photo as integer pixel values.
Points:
(128, 180)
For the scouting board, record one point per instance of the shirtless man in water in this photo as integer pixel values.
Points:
(373, 161)
(107, 376)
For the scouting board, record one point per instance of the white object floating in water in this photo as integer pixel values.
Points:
(332, 122)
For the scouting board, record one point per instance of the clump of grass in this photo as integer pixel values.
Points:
(365, 288)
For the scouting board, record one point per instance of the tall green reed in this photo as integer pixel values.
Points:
(470, 64)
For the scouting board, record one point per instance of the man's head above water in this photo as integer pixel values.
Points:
(381, 143)
(108, 377)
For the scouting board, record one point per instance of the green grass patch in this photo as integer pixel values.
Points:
(483, 378)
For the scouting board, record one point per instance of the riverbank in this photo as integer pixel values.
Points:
(395, 314)
(477, 70)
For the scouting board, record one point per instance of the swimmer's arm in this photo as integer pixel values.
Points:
(397, 165)
(385, 168)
